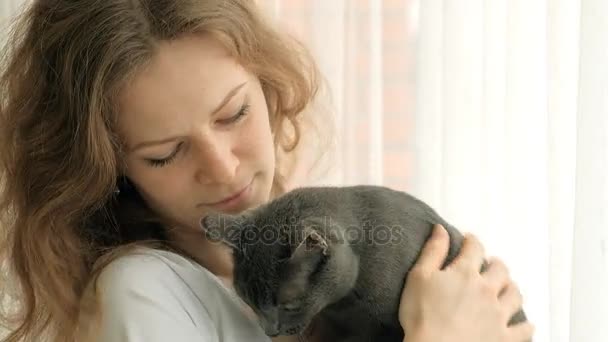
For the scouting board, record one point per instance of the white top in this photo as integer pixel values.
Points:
(159, 296)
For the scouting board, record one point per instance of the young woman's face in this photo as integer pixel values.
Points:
(197, 132)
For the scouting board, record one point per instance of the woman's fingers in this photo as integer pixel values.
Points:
(521, 332)
(511, 300)
(497, 275)
(471, 255)
(434, 251)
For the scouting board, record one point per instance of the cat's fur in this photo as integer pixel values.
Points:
(339, 255)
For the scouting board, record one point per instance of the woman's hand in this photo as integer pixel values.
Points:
(458, 303)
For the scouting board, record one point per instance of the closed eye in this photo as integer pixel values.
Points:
(165, 161)
(294, 305)
(291, 308)
(243, 111)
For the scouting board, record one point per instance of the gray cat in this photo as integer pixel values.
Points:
(336, 256)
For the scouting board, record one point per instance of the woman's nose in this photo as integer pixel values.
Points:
(216, 163)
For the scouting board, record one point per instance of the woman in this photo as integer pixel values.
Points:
(123, 122)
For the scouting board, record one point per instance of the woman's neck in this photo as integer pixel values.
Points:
(214, 256)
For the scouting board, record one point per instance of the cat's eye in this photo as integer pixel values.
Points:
(290, 306)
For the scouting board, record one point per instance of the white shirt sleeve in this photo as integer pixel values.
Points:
(145, 300)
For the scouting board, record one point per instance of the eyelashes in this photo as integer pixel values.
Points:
(238, 116)
(243, 111)
(294, 305)
(167, 160)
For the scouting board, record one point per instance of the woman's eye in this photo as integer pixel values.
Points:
(165, 161)
(236, 117)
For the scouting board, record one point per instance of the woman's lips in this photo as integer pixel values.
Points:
(232, 200)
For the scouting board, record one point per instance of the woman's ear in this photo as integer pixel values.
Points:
(123, 185)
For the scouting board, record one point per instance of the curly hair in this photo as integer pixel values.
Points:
(61, 158)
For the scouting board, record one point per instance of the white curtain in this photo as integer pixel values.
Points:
(7, 9)
(512, 142)
(495, 112)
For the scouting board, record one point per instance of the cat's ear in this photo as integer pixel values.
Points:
(224, 228)
(312, 243)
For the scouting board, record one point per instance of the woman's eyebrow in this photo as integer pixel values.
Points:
(226, 99)
(153, 142)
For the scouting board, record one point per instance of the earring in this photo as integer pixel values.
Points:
(123, 185)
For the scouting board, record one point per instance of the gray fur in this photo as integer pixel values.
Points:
(304, 258)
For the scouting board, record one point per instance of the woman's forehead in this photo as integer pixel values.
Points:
(186, 79)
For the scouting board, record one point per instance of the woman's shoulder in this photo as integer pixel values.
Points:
(154, 271)
(147, 287)
(145, 263)
(141, 265)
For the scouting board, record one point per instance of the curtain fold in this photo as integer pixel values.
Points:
(505, 133)
(589, 298)
(529, 174)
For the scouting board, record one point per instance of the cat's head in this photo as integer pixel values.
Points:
(288, 265)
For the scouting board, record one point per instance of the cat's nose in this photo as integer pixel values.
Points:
(272, 328)
(272, 332)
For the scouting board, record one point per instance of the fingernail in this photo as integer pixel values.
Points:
(438, 230)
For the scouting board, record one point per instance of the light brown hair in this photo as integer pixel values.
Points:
(60, 158)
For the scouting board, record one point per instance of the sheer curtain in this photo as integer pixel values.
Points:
(7, 9)
(494, 112)
(512, 142)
